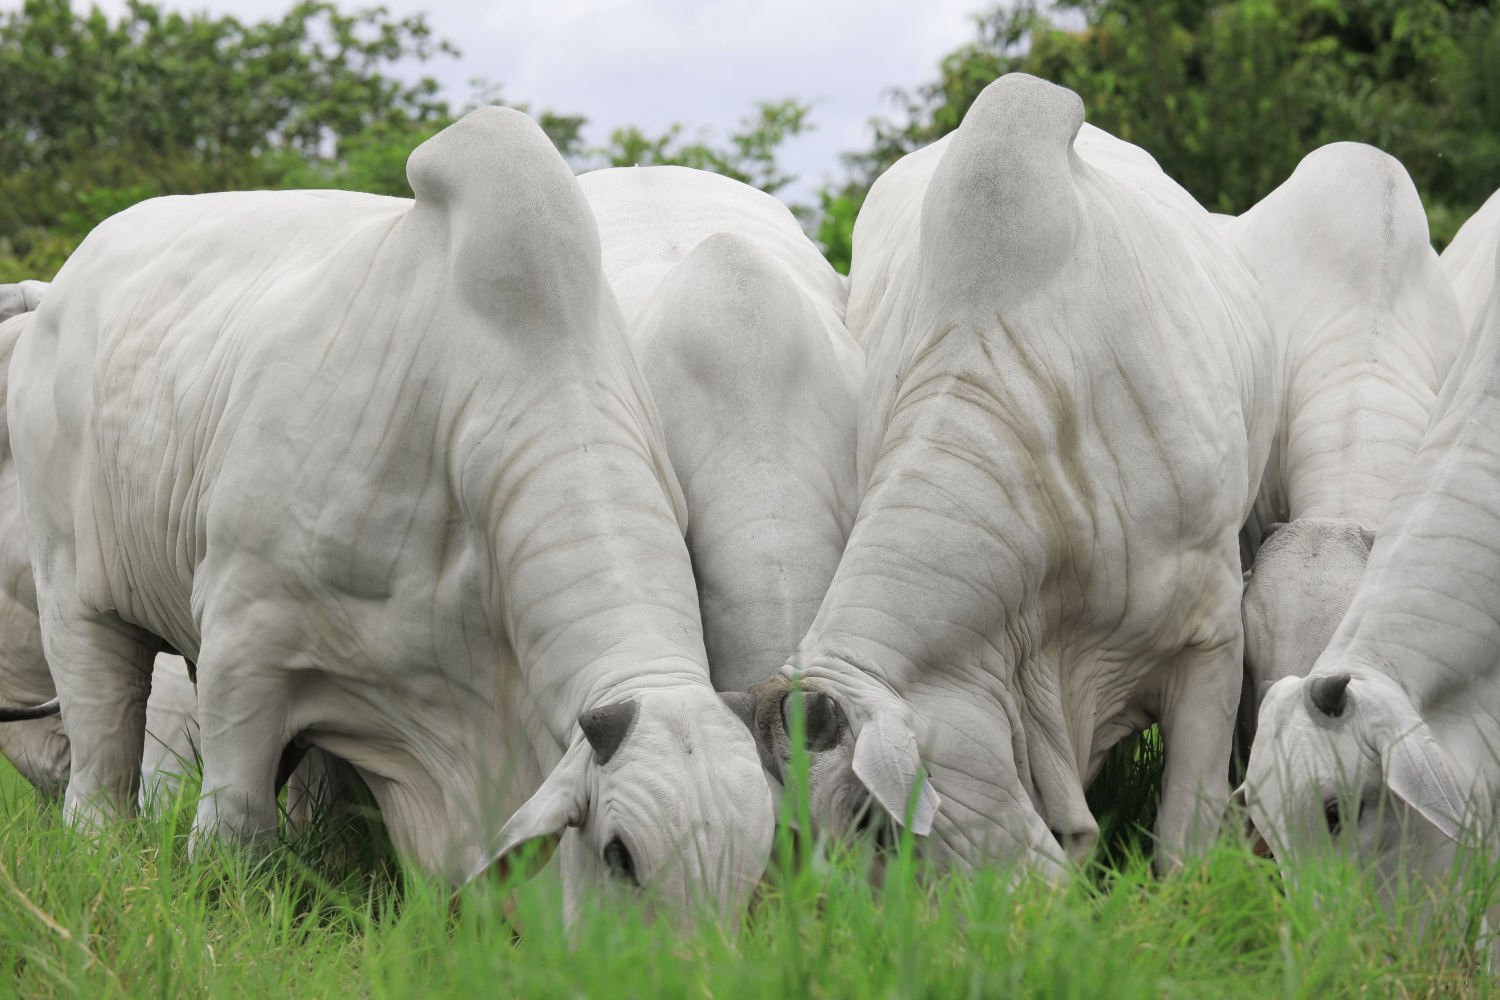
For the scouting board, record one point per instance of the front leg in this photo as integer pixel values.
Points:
(1199, 699)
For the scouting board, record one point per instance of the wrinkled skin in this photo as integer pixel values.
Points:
(386, 472)
(1305, 576)
(1370, 778)
(1466, 261)
(38, 748)
(1417, 646)
(1371, 328)
(1065, 416)
(739, 333)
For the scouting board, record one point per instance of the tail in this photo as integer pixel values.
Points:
(41, 711)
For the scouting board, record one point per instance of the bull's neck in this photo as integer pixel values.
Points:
(765, 544)
(1353, 428)
(946, 556)
(1425, 612)
(589, 572)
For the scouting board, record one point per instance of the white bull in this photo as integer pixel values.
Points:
(1068, 404)
(387, 473)
(1390, 744)
(1372, 327)
(738, 328)
(38, 746)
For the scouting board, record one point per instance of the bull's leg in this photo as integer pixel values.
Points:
(242, 714)
(1199, 699)
(103, 675)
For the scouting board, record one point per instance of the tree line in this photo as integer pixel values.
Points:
(97, 114)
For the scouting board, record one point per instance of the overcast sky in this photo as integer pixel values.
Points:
(699, 62)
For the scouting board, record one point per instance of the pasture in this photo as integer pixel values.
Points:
(331, 915)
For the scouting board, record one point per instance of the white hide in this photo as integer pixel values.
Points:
(386, 472)
(1468, 258)
(649, 218)
(22, 297)
(1067, 407)
(38, 748)
(1371, 328)
(1417, 732)
(738, 330)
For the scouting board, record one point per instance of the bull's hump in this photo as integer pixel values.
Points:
(521, 238)
(1003, 207)
(729, 309)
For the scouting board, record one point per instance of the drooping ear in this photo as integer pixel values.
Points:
(887, 761)
(1239, 806)
(1270, 530)
(561, 802)
(1368, 537)
(1416, 770)
(742, 704)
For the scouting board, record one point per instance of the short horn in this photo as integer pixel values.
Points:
(605, 728)
(41, 711)
(1329, 694)
(1368, 537)
(1270, 530)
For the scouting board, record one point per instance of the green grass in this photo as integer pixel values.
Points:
(128, 914)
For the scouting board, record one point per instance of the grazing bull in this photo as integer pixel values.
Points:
(33, 739)
(1389, 745)
(386, 471)
(1371, 326)
(739, 332)
(1067, 408)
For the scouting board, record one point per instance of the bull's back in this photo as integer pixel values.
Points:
(758, 407)
(123, 382)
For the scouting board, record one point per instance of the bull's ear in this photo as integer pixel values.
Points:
(561, 802)
(1239, 807)
(888, 763)
(1416, 770)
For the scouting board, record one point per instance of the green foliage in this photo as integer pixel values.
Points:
(1229, 96)
(97, 114)
(749, 154)
(129, 913)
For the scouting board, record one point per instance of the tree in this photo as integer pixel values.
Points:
(1229, 96)
(749, 156)
(96, 115)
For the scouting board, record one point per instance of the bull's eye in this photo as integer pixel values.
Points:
(822, 719)
(619, 862)
(1332, 817)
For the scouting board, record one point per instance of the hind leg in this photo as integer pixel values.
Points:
(102, 670)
